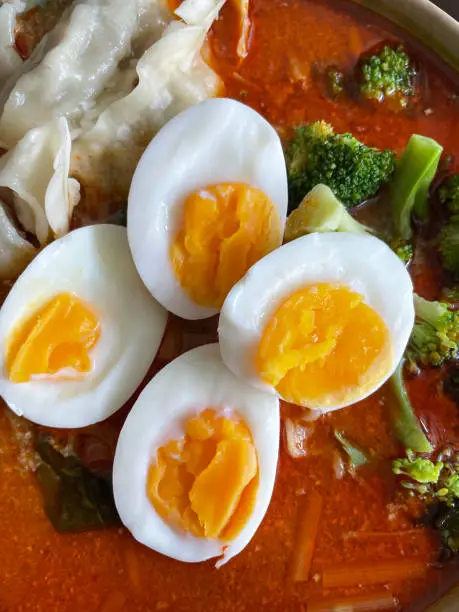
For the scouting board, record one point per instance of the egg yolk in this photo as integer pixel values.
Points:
(58, 336)
(324, 346)
(226, 229)
(206, 482)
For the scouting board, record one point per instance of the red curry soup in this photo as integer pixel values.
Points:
(229, 260)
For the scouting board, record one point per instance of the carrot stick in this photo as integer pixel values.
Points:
(372, 602)
(364, 535)
(365, 573)
(309, 513)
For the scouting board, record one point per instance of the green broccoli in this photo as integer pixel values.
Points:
(434, 481)
(449, 194)
(450, 486)
(320, 211)
(410, 188)
(448, 245)
(406, 425)
(317, 155)
(388, 75)
(418, 469)
(403, 249)
(435, 336)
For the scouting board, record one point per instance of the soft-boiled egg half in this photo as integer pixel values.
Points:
(196, 460)
(322, 322)
(78, 330)
(208, 200)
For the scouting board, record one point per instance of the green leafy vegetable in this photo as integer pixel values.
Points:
(390, 74)
(356, 456)
(75, 499)
(317, 155)
(435, 336)
(449, 194)
(320, 211)
(413, 177)
(403, 249)
(406, 425)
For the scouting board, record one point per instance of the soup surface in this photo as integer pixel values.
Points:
(364, 525)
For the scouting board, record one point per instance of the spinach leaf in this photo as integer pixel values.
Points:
(356, 456)
(75, 499)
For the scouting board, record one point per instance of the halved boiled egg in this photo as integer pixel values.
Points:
(196, 460)
(208, 200)
(78, 331)
(322, 322)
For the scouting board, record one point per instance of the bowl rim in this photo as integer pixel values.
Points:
(427, 22)
(432, 27)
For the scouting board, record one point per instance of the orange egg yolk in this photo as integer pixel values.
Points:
(58, 336)
(324, 346)
(206, 482)
(226, 229)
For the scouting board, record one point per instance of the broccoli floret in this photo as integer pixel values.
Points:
(437, 483)
(353, 171)
(404, 250)
(418, 469)
(450, 486)
(388, 75)
(432, 480)
(435, 336)
(320, 211)
(448, 245)
(449, 194)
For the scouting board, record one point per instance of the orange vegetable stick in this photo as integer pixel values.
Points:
(371, 602)
(366, 572)
(309, 513)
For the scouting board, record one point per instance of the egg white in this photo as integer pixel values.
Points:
(217, 141)
(361, 262)
(193, 382)
(95, 264)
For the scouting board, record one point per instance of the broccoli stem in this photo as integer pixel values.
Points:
(406, 425)
(320, 211)
(428, 311)
(413, 177)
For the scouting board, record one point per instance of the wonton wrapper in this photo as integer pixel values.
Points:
(172, 76)
(36, 171)
(15, 251)
(72, 66)
(9, 57)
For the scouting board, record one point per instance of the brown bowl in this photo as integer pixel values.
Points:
(435, 29)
